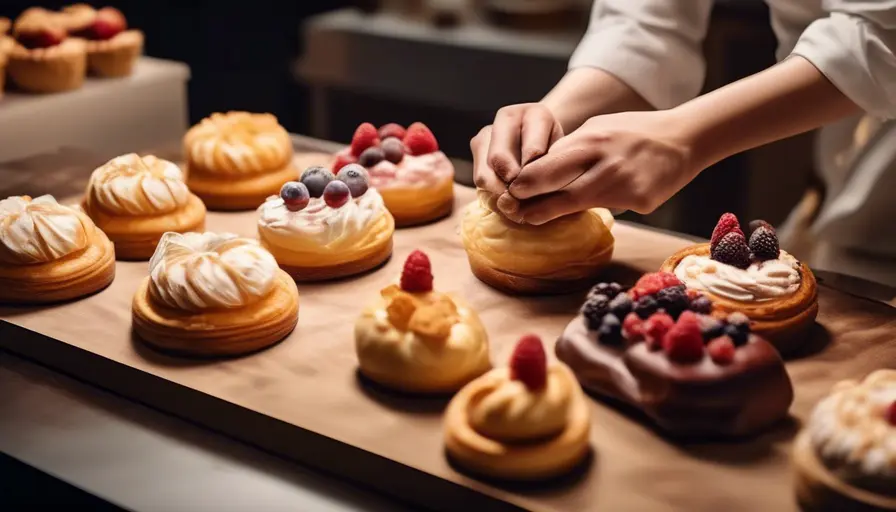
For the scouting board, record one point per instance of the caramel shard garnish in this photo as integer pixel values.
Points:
(400, 310)
(431, 322)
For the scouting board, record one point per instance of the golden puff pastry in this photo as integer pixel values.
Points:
(43, 58)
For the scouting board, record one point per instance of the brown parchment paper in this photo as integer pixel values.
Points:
(309, 380)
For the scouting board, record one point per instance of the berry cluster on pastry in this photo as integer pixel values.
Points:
(845, 457)
(325, 226)
(44, 59)
(658, 347)
(418, 340)
(112, 48)
(529, 421)
(415, 179)
(752, 276)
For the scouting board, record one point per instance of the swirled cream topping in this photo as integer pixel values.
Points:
(512, 412)
(135, 185)
(40, 230)
(238, 142)
(762, 280)
(850, 431)
(201, 271)
(422, 171)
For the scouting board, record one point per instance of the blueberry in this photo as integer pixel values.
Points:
(737, 333)
(611, 290)
(594, 309)
(610, 330)
(295, 195)
(336, 194)
(711, 328)
(701, 304)
(356, 178)
(673, 299)
(621, 305)
(371, 156)
(394, 150)
(316, 179)
(739, 319)
(646, 306)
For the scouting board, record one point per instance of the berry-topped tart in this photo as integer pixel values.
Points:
(752, 276)
(415, 339)
(112, 49)
(415, 179)
(845, 457)
(659, 348)
(529, 421)
(44, 58)
(325, 226)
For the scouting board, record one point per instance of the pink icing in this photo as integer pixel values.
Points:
(423, 171)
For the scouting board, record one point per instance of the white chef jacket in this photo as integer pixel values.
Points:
(655, 46)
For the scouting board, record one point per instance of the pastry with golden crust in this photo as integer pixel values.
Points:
(561, 256)
(527, 422)
(845, 457)
(112, 49)
(135, 200)
(44, 59)
(214, 294)
(327, 227)
(236, 160)
(777, 292)
(418, 340)
(50, 252)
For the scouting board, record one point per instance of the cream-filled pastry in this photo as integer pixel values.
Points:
(112, 49)
(50, 252)
(845, 457)
(419, 340)
(44, 59)
(561, 256)
(214, 294)
(529, 421)
(325, 226)
(237, 159)
(135, 200)
(415, 179)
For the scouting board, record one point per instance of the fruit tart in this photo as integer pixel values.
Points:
(755, 277)
(325, 226)
(561, 256)
(135, 200)
(415, 179)
(44, 59)
(50, 252)
(526, 422)
(235, 160)
(845, 457)
(417, 340)
(112, 49)
(657, 348)
(213, 294)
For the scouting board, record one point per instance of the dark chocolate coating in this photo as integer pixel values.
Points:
(703, 399)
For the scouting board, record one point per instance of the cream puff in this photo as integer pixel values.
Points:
(776, 291)
(135, 200)
(418, 340)
(325, 226)
(214, 294)
(561, 256)
(415, 179)
(526, 422)
(112, 49)
(236, 160)
(845, 457)
(44, 59)
(50, 252)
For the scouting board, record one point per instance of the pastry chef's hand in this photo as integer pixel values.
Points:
(519, 135)
(632, 160)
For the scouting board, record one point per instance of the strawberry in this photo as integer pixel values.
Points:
(727, 223)
(528, 363)
(632, 327)
(419, 140)
(683, 343)
(653, 282)
(721, 350)
(891, 413)
(655, 329)
(732, 250)
(392, 130)
(417, 273)
(365, 137)
(341, 161)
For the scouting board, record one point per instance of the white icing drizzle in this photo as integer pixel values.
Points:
(40, 230)
(135, 185)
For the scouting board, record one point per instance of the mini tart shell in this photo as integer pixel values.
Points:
(136, 237)
(817, 489)
(76, 275)
(221, 332)
(414, 206)
(48, 70)
(115, 57)
(237, 191)
(785, 322)
(530, 461)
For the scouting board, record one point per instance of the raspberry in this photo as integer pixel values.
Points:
(727, 223)
(341, 161)
(891, 413)
(419, 140)
(610, 330)
(673, 299)
(651, 283)
(594, 309)
(632, 327)
(764, 244)
(683, 343)
(655, 329)
(416, 276)
(621, 305)
(646, 306)
(528, 363)
(721, 350)
(732, 250)
(756, 224)
(365, 137)
(392, 130)
(611, 290)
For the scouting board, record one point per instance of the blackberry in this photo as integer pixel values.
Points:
(610, 330)
(764, 244)
(621, 305)
(673, 299)
(594, 309)
(611, 290)
(701, 304)
(732, 250)
(646, 306)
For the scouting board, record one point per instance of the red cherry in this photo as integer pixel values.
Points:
(109, 23)
(42, 38)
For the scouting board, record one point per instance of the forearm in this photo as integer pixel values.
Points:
(787, 99)
(586, 92)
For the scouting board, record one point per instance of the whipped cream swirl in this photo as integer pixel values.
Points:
(239, 142)
(201, 271)
(763, 280)
(423, 171)
(319, 223)
(135, 185)
(40, 230)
